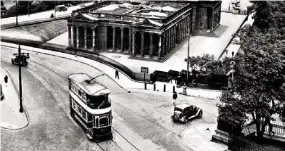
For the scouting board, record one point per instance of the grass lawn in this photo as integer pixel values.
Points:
(46, 31)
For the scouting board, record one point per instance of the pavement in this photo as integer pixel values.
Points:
(234, 47)
(11, 118)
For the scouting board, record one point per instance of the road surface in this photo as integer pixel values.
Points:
(142, 119)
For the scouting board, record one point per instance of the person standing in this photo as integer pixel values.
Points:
(117, 74)
(6, 80)
(174, 95)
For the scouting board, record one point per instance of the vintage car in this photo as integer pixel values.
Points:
(60, 8)
(20, 59)
(185, 112)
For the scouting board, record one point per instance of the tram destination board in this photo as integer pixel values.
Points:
(144, 69)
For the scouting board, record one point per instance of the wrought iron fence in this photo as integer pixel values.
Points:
(278, 130)
(241, 144)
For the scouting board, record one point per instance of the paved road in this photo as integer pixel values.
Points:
(141, 118)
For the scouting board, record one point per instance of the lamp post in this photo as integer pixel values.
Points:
(17, 14)
(28, 8)
(188, 57)
(73, 43)
(20, 79)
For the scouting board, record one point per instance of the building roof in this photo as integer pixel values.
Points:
(147, 10)
(94, 88)
(150, 14)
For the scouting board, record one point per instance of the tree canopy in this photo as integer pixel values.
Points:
(259, 71)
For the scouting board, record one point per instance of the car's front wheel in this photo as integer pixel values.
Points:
(184, 119)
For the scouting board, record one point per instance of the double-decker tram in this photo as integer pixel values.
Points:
(90, 105)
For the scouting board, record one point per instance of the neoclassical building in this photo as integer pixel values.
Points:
(149, 30)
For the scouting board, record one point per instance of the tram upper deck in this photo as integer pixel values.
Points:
(88, 85)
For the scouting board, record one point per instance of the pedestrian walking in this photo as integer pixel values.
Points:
(117, 74)
(6, 80)
(51, 16)
(174, 95)
(271, 129)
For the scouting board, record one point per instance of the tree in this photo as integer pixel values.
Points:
(258, 80)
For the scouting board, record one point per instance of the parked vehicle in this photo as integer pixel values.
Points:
(185, 112)
(20, 59)
(159, 76)
(3, 12)
(60, 8)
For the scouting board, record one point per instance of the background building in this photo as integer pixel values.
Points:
(149, 30)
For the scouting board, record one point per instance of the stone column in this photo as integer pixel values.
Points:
(168, 40)
(93, 37)
(77, 37)
(130, 40)
(151, 44)
(85, 37)
(122, 39)
(142, 44)
(69, 35)
(159, 47)
(133, 42)
(211, 21)
(193, 20)
(163, 44)
(174, 36)
(181, 31)
(114, 38)
(185, 28)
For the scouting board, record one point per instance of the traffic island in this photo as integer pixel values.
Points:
(11, 118)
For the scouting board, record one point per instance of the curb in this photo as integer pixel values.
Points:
(25, 111)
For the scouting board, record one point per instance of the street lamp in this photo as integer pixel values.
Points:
(17, 14)
(20, 78)
(188, 57)
(28, 8)
(73, 43)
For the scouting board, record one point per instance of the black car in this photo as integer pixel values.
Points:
(185, 112)
(20, 59)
